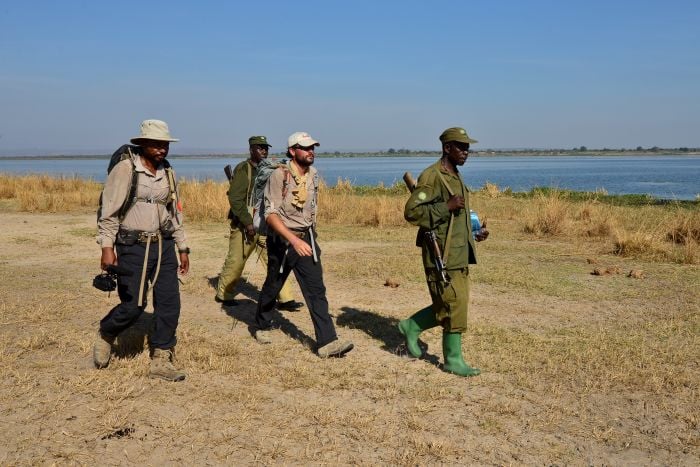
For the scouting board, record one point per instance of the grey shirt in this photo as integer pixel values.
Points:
(148, 214)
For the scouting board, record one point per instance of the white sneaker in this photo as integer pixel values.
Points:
(337, 348)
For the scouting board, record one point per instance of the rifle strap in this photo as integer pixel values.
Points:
(249, 191)
(446, 253)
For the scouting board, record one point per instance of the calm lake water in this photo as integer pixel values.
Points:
(665, 176)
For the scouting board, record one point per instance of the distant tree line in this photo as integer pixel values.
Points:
(638, 149)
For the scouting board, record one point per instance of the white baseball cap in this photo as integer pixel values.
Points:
(301, 138)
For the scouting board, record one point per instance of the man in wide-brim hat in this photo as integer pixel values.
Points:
(140, 230)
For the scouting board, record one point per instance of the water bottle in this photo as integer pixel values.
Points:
(476, 224)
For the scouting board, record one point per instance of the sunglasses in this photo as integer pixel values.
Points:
(306, 148)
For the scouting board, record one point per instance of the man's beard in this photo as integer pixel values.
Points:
(303, 162)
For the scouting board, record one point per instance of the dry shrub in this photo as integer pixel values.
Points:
(596, 220)
(8, 186)
(684, 227)
(550, 216)
(490, 190)
(633, 243)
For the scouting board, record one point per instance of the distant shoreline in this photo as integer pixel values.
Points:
(485, 153)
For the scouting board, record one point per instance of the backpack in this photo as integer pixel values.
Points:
(256, 200)
(130, 151)
(257, 197)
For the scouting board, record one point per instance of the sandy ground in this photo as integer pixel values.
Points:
(605, 371)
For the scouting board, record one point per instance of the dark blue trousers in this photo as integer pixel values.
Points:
(166, 293)
(309, 275)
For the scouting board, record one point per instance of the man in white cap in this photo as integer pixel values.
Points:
(290, 213)
(141, 218)
(244, 240)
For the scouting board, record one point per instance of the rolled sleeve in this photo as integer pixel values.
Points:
(178, 220)
(114, 194)
(273, 192)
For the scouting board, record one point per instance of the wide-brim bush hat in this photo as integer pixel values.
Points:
(156, 130)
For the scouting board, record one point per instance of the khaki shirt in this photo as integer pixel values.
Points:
(427, 208)
(148, 214)
(292, 217)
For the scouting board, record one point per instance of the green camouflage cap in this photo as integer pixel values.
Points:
(456, 134)
(261, 140)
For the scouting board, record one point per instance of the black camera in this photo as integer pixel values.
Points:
(107, 281)
(104, 282)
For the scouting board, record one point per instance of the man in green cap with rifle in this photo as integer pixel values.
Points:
(439, 206)
(244, 240)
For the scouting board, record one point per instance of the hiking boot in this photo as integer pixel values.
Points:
(162, 366)
(337, 348)
(263, 336)
(102, 350)
(452, 351)
(291, 305)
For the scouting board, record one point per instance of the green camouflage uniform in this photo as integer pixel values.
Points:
(427, 209)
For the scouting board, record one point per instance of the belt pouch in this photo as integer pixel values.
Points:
(126, 237)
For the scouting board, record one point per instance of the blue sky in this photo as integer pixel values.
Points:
(79, 76)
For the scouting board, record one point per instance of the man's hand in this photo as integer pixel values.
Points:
(249, 233)
(301, 247)
(455, 203)
(184, 263)
(481, 234)
(108, 257)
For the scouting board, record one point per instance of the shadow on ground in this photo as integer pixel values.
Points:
(134, 339)
(244, 312)
(243, 287)
(383, 329)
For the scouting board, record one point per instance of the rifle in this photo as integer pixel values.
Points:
(430, 238)
(229, 172)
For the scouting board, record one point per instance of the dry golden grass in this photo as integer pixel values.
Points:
(41, 193)
(549, 215)
(662, 233)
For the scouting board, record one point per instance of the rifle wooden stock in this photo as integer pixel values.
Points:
(409, 181)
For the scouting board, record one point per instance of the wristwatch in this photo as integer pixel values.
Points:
(184, 250)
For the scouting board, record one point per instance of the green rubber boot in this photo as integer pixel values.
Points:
(413, 326)
(452, 350)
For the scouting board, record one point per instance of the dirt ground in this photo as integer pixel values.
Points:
(576, 369)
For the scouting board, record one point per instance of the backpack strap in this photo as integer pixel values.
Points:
(249, 190)
(130, 199)
(446, 253)
(172, 203)
(285, 184)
